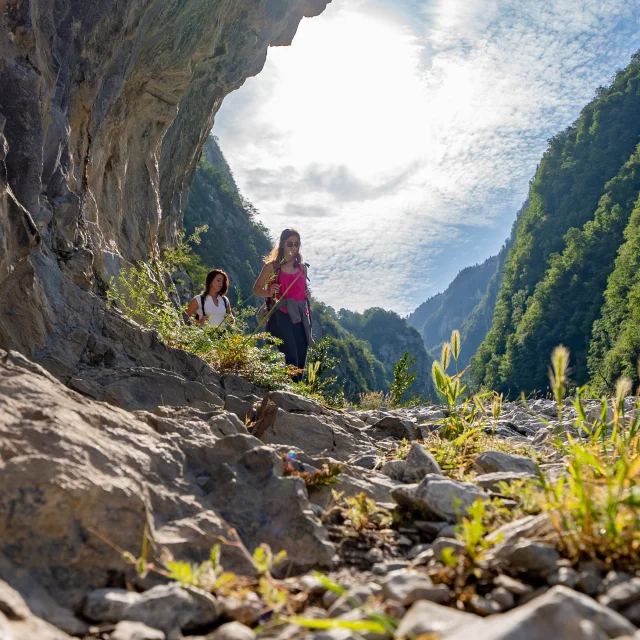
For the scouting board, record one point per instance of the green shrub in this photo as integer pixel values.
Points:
(146, 294)
(374, 400)
(402, 378)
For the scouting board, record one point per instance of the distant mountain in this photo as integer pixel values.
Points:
(478, 323)
(358, 369)
(390, 336)
(438, 316)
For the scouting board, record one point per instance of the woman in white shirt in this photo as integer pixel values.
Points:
(212, 306)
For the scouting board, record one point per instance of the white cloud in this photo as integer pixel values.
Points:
(400, 138)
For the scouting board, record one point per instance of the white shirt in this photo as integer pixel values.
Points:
(215, 313)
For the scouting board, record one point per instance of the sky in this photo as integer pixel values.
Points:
(399, 136)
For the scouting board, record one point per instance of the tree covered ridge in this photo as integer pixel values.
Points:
(566, 240)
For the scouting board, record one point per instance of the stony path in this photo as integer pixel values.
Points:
(428, 536)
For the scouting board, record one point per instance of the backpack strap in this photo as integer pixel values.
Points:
(202, 299)
(227, 304)
(276, 271)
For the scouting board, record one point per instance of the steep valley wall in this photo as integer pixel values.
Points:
(104, 109)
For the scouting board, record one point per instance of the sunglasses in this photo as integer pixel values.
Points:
(292, 244)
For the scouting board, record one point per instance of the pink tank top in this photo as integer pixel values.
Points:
(292, 285)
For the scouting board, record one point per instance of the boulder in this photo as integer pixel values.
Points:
(147, 388)
(352, 482)
(525, 555)
(622, 594)
(394, 469)
(40, 603)
(247, 610)
(366, 460)
(492, 481)
(559, 613)
(437, 549)
(396, 427)
(17, 622)
(265, 507)
(78, 477)
(169, 608)
(527, 527)
(237, 386)
(565, 576)
(293, 403)
(441, 497)
(136, 631)
(425, 618)
(407, 586)
(419, 463)
(232, 631)
(191, 539)
(317, 433)
(242, 407)
(497, 461)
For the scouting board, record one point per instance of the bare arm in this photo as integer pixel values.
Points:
(307, 291)
(192, 308)
(264, 287)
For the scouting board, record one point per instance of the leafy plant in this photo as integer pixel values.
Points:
(372, 400)
(208, 575)
(473, 532)
(146, 294)
(464, 415)
(402, 378)
(264, 560)
(594, 507)
(364, 513)
(324, 477)
(320, 381)
(376, 623)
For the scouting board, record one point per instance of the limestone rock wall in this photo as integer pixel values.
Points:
(104, 108)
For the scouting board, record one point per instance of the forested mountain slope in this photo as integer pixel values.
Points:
(390, 336)
(235, 241)
(358, 369)
(566, 243)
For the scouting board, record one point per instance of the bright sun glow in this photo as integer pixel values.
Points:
(401, 144)
(356, 104)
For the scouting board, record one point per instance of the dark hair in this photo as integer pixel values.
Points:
(277, 254)
(210, 276)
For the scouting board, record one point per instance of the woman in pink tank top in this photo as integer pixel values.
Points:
(284, 275)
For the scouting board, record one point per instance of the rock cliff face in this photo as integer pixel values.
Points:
(104, 109)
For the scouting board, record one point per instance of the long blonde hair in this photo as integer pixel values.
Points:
(276, 256)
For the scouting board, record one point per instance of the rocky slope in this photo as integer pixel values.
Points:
(82, 481)
(134, 456)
